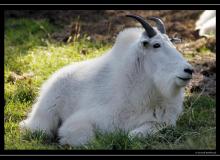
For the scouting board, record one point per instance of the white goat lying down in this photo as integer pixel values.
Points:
(206, 23)
(137, 84)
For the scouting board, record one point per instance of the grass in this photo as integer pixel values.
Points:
(30, 49)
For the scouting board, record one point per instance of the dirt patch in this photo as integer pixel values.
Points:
(104, 25)
(204, 79)
(14, 77)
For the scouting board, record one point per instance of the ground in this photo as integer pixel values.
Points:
(38, 43)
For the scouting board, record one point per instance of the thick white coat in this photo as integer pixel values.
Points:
(130, 87)
(206, 23)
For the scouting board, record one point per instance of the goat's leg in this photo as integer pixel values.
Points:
(146, 128)
(76, 131)
(41, 119)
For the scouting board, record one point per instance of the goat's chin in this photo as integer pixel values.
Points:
(181, 83)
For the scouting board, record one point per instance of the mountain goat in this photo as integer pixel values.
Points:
(134, 86)
(206, 24)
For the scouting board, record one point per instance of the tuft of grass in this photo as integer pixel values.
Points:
(117, 140)
(25, 92)
(38, 136)
(29, 48)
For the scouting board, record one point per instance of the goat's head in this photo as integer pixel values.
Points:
(160, 57)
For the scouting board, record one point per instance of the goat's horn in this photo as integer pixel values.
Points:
(150, 31)
(159, 23)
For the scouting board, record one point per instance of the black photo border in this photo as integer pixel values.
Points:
(4, 152)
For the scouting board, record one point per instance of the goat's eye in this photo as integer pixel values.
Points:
(145, 43)
(156, 45)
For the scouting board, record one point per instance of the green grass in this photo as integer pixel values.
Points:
(30, 49)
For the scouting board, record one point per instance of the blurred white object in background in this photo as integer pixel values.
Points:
(206, 25)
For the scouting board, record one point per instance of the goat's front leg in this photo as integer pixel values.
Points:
(76, 131)
(146, 128)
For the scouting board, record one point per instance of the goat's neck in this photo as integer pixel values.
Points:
(139, 89)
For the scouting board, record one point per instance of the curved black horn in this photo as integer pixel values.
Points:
(150, 31)
(159, 23)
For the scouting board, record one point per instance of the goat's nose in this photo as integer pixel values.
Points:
(188, 70)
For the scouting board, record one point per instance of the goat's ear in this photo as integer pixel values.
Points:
(145, 43)
(175, 40)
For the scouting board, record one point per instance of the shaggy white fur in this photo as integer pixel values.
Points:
(132, 87)
(207, 23)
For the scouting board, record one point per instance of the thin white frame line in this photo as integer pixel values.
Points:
(111, 4)
(108, 155)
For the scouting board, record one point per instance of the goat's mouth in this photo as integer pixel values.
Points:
(184, 79)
